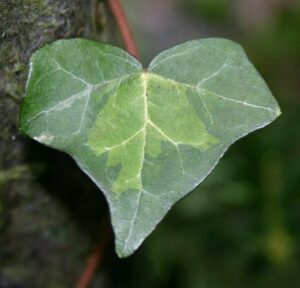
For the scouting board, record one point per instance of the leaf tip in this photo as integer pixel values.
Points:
(122, 252)
(278, 112)
(126, 248)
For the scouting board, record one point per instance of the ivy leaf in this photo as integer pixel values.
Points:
(145, 137)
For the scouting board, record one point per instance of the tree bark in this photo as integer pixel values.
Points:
(50, 213)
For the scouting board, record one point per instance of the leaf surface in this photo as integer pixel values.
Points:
(145, 137)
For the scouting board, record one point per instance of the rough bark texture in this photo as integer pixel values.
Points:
(45, 231)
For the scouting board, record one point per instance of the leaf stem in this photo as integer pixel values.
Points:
(123, 26)
(93, 261)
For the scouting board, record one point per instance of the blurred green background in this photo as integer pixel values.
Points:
(240, 228)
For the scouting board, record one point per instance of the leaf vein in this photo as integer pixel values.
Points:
(175, 82)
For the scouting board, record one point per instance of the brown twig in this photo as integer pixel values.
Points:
(93, 262)
(123, 26)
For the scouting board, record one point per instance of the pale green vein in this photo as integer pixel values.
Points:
(135, 64)
(60, 105)
(239, 102)
(215, 74)
(46, 76)
(76, 96)
(70, 73)
(174, 82)
(176, 144)
(187, 51)
(109, 148)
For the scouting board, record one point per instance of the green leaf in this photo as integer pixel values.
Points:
(145, 137)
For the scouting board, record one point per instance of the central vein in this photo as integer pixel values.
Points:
(146, 118)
